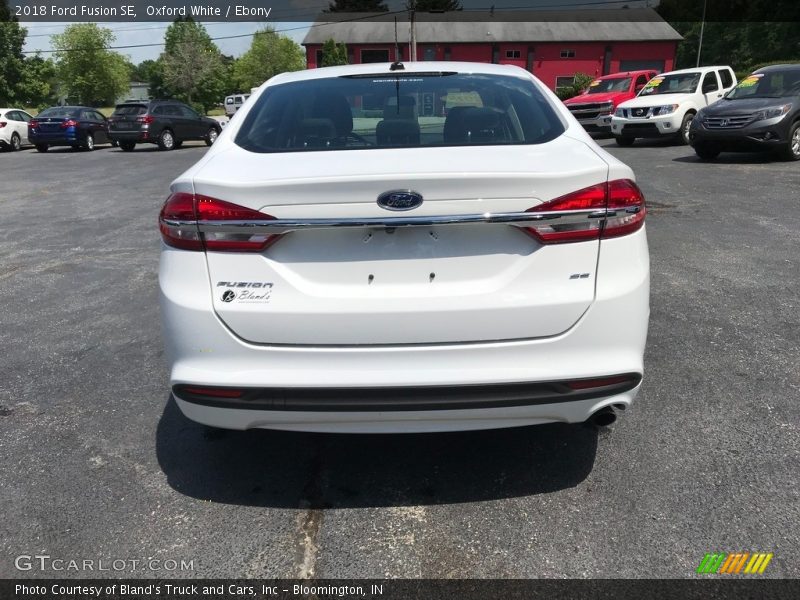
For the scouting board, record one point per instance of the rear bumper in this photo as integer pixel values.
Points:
(55, 139)
(129, 136)
(609, 339)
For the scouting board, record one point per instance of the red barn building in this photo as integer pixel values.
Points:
(553, 45)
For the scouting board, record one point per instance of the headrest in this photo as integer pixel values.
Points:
(407, 109)
(471, 124)
(336, 108)
(397, 132)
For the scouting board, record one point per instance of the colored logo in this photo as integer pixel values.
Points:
(736, 563)
(399, 200)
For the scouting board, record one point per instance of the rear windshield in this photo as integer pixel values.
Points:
(680, 83)
(130, 109)
(60, 111)
(404, 110)
(773, 84)
(610, 85)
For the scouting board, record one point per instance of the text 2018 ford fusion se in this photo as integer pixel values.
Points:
(396, 248)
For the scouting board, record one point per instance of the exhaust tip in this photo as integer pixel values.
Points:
(603, 417)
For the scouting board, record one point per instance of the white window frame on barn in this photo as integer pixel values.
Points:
(567, 53)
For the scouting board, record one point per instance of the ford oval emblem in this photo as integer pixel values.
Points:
(399, 200)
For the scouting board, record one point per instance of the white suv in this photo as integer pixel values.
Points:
(669, 102)
(331, 265)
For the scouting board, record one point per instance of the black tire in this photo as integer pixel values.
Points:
(16, 142)
(41, 147)
(127, 146)
(166, 141)
(682, 137)
(88, 145)
(624, 140)
(792, 149)
(211, 136)
(706, 151)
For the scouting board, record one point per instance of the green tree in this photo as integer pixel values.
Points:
(753, 38)
(86, 69)
(333, 54)
(434, 5)
(580, 82)
(192, 65)
(270, 54)
(39, 83)
(349, 6)
(12, 39)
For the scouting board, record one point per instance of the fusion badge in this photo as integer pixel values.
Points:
(245, 292)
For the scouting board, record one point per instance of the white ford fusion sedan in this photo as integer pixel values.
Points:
(401, 248)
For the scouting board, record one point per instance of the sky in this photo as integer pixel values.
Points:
(133, 33)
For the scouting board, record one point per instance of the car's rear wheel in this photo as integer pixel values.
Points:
(88, 145)
(212, 136)
(41, 147)
(683, 135)
(127, 146)
(792, 150)
(624, 140)
(707, 151)
(16, 142)
(166, 141)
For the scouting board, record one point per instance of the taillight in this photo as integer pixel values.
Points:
(2, 124)
(33, 123)
(147, 119)
(182, 214)
(178, 223)
(627, 200)
(621, 196)
(69, 123)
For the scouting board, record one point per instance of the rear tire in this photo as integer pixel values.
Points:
(16, 142)
(127, 146)
(706, 151)
(41, 147)
(792, 150)
(166, 141)
(624, 140)
(212, 136)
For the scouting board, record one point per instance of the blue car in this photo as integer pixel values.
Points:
(77, 126)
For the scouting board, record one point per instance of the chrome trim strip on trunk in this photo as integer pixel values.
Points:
(519, 219)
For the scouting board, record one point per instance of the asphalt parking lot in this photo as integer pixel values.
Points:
(98, 463)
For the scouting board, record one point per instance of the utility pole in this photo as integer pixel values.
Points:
(702, 28)
(413, 42)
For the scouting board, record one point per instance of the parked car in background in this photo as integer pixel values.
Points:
(668, 102)
(762, 113)
(13, 128)
(234, 103)
(470, 271)
(167, 123)
(596, 105)
(77, 126)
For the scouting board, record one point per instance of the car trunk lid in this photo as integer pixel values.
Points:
(431, 284)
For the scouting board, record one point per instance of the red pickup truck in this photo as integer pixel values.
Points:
(595, 106)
